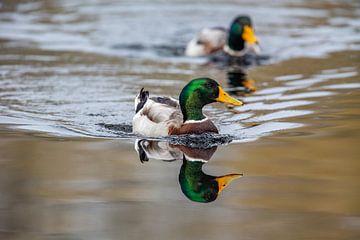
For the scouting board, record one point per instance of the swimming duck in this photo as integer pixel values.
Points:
(164, 116)
(239, 40)
(195, 184)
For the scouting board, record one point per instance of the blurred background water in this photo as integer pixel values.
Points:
(68, 69)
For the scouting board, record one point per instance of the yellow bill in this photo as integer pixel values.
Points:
(249, 35)
(249, 84)
(224, 97)
(223, 181)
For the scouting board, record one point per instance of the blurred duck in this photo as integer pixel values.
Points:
(239, 82)
(195, 184)
(164, 116)
(239, 40)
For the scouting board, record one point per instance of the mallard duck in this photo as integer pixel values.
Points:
(237, 41)
(195, 184)
(164, 116)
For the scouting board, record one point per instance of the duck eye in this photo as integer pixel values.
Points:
(209, 85)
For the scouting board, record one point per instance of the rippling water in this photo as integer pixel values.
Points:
(82, 90)
(77, 99)
(287, 28)
(69, 71)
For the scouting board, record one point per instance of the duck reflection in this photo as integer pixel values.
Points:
(239, 82)
(195, 184)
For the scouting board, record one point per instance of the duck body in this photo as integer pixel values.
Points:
(207, 41)
(155, 116)
(237, 41)
(161, 116)
(164, 116)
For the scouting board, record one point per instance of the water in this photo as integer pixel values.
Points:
(69, 71)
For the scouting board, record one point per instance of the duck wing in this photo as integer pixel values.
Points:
(162, 109)
(156, 115)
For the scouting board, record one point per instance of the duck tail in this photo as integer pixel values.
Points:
(141, 99)
(141, 151)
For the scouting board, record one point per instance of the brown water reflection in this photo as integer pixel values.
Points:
(238, 81)
(98, 189)
(195, 184)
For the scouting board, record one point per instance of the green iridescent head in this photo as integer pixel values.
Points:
(199, 92)
(241, 33)
(200, 187)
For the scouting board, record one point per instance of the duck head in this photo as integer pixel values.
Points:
(197, 185)
(242, 38)
(200, 92)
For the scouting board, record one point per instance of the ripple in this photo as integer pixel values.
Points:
(274, 90)
(237, 117)
(288, 77)
(262, 98)
(254, 133)
(337, 75)
(274, 106)
(314, 94)
(306, 82)
(343, 86)
(279, 115)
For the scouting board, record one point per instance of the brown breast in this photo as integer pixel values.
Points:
(194, 128)
(199, 153)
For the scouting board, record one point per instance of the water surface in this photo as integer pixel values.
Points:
(69, 71)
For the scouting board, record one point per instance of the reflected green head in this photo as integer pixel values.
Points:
(196, 185)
